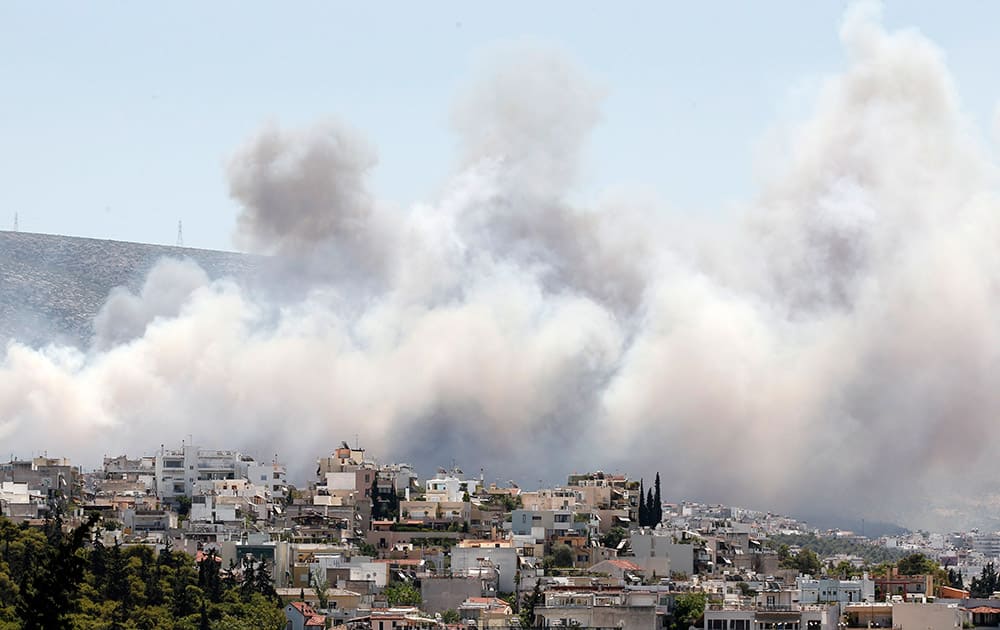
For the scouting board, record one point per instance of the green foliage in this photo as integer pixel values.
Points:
(320, 586)
(53, 579)
(183, 506)
(688, 609)
(527, 614)
(986, 583)
(505, 501)
(385, 505)
(830, 546)
(807, 562)
(402, 594)
(917, 564)
(643, 510)
(562, 556)
(658, 503)
(955, 579)
(650, 504)
(613, 537)
(450, 616)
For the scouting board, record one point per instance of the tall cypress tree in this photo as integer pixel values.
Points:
(650, 509)
(658, 505)
(642, 505)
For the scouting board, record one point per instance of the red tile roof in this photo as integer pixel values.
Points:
(625, 565)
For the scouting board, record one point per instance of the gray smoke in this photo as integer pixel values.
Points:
(168, 287)
(832, 351)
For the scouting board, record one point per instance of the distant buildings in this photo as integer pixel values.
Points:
(339, 544)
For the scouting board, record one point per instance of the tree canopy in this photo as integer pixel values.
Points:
(50, 578)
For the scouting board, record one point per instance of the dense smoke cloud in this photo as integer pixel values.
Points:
(839, 342)
(167, 288)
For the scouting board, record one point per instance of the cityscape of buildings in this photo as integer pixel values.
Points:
(601, 551)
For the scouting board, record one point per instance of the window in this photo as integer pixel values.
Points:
(173, 463)
(277, 475)
(716, 624)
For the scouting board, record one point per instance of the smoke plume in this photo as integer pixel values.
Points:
(833, 351)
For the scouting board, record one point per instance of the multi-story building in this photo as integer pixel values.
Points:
(796, 618)
(551, 499)
(662, 554)
(273, 478)
(17, 501)
(122, 468)
(815, 591)
(906, 587)
(495, 556)
(177, 472)
(546, 524)
(605, 609)
(342, 459)
(448, 486)
(51, 477)
(987, 544)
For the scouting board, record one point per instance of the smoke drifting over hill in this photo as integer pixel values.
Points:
(835, 349)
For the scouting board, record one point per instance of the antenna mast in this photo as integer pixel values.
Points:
(15, 222)
(180, 234)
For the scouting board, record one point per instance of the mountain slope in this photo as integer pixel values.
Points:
(51, 287)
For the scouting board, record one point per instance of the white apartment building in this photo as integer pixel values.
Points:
(447, 486)
(987, 544)
(815, 591)
(177, 471)
(272, 477)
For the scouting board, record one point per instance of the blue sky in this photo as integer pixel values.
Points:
(116, 118)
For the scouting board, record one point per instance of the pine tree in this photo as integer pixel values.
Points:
(265, 585)
(209, 579)
(642, 506)
(118, 587)
(249, 584)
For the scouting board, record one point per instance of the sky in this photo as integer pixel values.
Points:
(116, 119)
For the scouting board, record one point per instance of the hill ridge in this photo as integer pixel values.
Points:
(52, 286)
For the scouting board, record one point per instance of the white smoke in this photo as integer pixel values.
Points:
(167, 288)
(839, 342)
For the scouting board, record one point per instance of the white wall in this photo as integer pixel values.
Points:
(926, 617)
(340, 480)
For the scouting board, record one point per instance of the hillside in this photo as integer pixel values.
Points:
(52, 286)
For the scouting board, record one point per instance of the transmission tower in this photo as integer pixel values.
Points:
(180, 234)
(15, 222)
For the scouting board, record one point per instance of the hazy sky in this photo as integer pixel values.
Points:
(116, 118)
